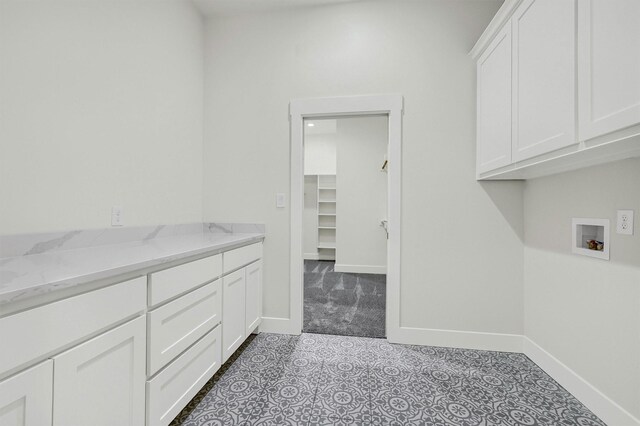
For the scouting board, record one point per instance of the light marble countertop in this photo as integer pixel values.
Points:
(28, 276)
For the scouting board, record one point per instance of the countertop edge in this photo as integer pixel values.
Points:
(112, 275)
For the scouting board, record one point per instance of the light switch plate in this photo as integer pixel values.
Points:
(280, 200)
(624, 224)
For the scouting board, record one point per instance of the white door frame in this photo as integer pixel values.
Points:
(299, 109)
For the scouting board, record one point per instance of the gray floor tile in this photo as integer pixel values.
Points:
(287, 401)
(319, 379)
(341, 400)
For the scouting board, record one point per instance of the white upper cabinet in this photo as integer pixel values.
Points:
(573, 67)
(494, 104)
(609, 66)
(543, 77)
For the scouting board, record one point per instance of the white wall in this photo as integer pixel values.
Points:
(586, 311)
(319, 155)
(461, 240)
(100, 105)
(320, 147)
(310, 218)
(361, 195)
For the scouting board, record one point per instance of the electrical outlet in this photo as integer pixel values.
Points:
(117, 218)
(280, 200)
(625, 222)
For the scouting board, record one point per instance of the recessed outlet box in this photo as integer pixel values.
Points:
(590, 237)
(624, 224)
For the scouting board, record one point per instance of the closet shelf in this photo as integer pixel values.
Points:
(327, 245)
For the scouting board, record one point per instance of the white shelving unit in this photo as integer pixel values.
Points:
(327, 217)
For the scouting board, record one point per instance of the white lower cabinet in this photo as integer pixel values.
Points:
(170, 390)
(233, 312)
(143, 371)
(180, 323)
(26, 398)
(102, 381)
(253, 304)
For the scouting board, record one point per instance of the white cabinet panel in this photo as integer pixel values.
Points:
(67, 321)
(102, 381)
(253, 305)
(26, 398)
(233, 312)
(164, 285)
(236, 258)
(543, 77)
(173, 387)
(178, 324)
(494, 104)
(609, 66)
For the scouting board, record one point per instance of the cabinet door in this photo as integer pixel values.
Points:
(543, 77)
(25, 399)
(102, 381)
(494, 104)
(233, 312)
(253, 305)
(609, 66)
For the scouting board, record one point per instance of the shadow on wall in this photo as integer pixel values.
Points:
(597, 192)
(507, 196)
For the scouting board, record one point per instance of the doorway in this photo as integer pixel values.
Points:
(344, 225)
(340, 284)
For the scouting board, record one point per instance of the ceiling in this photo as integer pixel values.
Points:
(240, 7)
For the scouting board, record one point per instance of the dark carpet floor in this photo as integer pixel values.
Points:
(343, 303)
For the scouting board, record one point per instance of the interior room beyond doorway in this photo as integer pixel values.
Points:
(344, 225)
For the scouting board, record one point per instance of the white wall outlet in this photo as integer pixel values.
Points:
(280, 200)
(116, 216)
(625, 222)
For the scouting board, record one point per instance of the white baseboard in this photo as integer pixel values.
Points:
(601, 405)
(456, 339)
(317, 256)
(360, 269)
(277, 326)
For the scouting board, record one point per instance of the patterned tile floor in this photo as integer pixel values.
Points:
(316, 379)
(343, 303)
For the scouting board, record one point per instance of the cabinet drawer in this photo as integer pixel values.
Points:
(170, 391)
(164, 285)
(38, 332)
(242, 256)
(178, 324)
